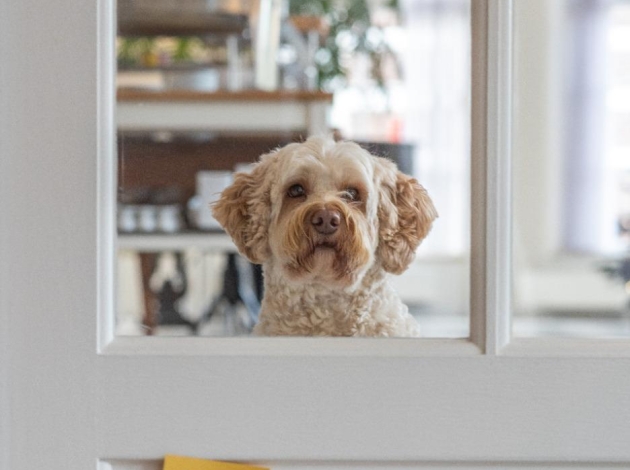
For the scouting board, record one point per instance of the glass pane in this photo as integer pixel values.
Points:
(206, 88)
(572, 168)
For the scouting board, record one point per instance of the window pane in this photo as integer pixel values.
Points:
(571, 167)
(204, 90)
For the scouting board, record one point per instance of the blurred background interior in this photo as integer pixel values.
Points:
(206, 86)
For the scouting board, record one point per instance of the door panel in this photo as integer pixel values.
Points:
(73, 396)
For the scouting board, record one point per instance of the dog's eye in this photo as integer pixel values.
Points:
(351, 194)
(297, 190)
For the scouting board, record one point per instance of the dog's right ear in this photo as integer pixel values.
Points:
(244, 210)
(405, 214)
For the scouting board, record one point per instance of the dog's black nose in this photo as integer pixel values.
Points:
(326, 221)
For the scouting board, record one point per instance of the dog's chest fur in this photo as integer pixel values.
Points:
(371, 309)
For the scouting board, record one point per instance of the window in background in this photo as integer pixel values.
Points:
(571, 168)
(394, 76)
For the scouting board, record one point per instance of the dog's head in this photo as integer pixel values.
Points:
(326, 212)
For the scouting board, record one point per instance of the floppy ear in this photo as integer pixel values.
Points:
(244, 210)
(405, 214)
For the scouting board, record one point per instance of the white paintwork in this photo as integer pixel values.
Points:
(227, 116)
(176, 242)
(292, 403)
(156, 465)
(490, 274)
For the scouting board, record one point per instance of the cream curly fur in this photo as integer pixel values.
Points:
(320, 283)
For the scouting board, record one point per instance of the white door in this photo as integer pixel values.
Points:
(74, 397)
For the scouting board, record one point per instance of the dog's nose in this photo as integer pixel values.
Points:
(326, 221)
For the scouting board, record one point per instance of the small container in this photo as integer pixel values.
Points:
(147, 218)
(127, 218)
(169, 219)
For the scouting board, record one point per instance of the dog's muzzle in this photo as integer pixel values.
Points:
(325, 228)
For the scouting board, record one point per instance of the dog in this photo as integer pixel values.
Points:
(328, 221)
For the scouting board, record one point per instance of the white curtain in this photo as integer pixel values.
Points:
(587, 224)
(436, 67)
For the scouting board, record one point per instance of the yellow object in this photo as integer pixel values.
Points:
(175, 462)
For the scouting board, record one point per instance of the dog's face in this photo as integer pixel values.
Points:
(326, 212)
(323, 213)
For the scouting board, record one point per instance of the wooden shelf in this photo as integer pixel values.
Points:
(156, 242)
(152, 22)
(133, 95)
(223, 111)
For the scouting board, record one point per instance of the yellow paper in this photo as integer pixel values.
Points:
(175, 462)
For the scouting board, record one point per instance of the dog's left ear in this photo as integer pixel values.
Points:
(405, 215)
(244, 210)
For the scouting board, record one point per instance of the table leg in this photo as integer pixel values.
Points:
(148, 263)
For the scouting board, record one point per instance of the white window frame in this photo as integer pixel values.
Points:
(490, 231)
(491, 226)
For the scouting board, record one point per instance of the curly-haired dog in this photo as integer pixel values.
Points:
(328, 221)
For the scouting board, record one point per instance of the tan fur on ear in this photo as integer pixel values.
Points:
(244, 210)
(405, 214)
